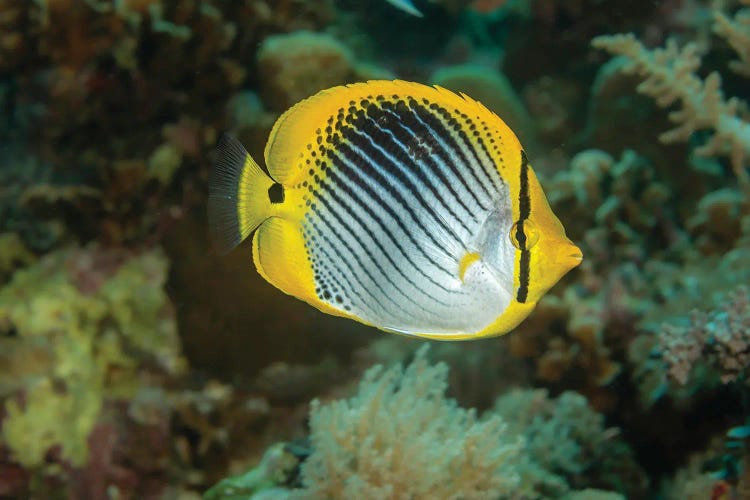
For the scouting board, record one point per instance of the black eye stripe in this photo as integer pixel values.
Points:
(524, 208)
(521, 236)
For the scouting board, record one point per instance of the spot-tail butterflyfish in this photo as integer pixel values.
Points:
(405, 207)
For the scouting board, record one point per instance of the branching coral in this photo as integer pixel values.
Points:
(616, 205)
(670, 76)
(676, 290)
(399, 438)
(736, 31)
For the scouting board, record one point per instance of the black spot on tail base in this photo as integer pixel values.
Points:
(276, 193)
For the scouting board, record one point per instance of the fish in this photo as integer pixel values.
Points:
(406, 6)
(402, 206)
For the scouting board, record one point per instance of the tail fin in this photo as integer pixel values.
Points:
(238, 200)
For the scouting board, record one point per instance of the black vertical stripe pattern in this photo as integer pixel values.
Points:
(405, 138)
(444, 126)
(386, 175)
(488, 173)
(407, 120)
(346, 277)
(367, 251)
(360, 265)
(356, 175)
(348, 211)
(372, 142)
(408, 123)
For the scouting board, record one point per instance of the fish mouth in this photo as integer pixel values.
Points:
(573, 257)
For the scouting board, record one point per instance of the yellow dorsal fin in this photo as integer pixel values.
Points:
(296, 128)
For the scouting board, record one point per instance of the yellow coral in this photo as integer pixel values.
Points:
(90, 336)
(12, 253)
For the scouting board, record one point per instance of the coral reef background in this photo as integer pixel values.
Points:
(135, 363)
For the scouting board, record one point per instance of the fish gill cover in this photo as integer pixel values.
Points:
(136, 363)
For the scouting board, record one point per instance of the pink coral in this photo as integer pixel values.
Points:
(721, 338)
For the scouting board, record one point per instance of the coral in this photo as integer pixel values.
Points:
(736, 31)
(163, 163)
(629, 202)
(567, 447)
(696, 480)
(297, 65)
(274, 471)
(108, 113)
(670, 76)
(720, 339)
(479, 371)
(642, 249)
(13, 253)
(215, 412)
(92, 85)
(551, 102)
(248, 119)
(717, 225)
(399, 437)
(19, 171)
(565, 339)
(292, 383)
(614, 106)
(697, 284)
(592, 494)
(92, 342)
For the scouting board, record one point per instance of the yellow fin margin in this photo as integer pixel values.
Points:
(295, 129)
(280, 257)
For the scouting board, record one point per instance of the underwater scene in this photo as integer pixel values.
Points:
(375, 249)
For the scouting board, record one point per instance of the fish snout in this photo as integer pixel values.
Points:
(570, 255)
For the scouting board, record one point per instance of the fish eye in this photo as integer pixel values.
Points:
(524, 234)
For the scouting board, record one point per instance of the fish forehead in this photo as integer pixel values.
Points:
(397, 188)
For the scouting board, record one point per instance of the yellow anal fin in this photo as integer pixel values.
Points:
(281, 258)
(506, 322)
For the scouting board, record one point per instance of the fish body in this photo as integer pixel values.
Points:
(406, 6)
(402, 206)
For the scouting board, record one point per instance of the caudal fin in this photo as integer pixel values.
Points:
(238, 200)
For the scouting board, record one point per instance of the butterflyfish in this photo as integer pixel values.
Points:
(405, 207)
(406, 6)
